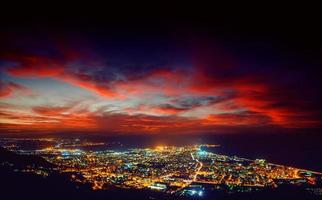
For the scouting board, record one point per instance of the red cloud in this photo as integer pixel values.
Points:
(238, 119)
(37, 66)
(87, 82)
(54, 119)
(50, 111)
(7, 88)
(255, 102)
(167, 110)
(251, 94)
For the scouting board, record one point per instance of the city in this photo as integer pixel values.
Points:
(180, 171)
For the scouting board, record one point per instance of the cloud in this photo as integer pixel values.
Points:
(237, 91)
(50, 111)
(40, 67)
(8, 88)
(154, 97)
(245, 118)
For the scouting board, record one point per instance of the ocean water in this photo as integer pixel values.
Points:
(296, 150)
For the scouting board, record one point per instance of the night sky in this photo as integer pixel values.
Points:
(164, 71)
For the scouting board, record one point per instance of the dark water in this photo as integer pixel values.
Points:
(303, 151)
(297, 150)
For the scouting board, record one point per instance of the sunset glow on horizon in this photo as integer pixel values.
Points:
(148, 87)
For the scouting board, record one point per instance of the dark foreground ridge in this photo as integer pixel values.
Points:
(32, 177)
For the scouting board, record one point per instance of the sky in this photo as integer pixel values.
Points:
(159, 75)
